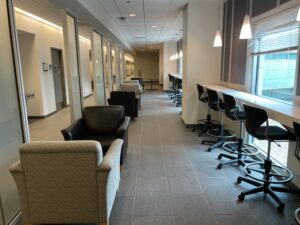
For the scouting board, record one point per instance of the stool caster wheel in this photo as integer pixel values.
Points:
(193, 130)
(219, 157)
(209, 149)
(202, 142)
(238, 180)
(280, 208)
(241, 197)
(219, 166)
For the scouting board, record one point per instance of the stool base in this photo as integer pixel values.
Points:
(267, 189)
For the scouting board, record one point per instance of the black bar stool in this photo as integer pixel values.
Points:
(205, 124)
(263, 174)
(216, 104)
(178, 95)
(171, 90)
(238, 148)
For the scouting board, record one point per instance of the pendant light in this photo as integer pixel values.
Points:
(218, 37)
(298, 15)
(246, 32)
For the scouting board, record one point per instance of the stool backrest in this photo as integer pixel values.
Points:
(255, 117)
(200, 92)
(230, 104)
(213, 99)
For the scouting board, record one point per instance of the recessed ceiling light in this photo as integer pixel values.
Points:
(132, 14)
(153, 26)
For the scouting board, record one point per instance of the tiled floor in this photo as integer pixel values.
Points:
(170, 179)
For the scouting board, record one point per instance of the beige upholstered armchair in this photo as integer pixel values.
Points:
(67, 182)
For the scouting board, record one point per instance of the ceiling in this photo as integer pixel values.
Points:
(166, 15)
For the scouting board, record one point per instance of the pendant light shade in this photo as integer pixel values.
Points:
(218, 39)
(298, 15)
(180, 54)
(246, 32)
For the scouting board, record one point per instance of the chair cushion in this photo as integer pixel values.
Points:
(103, 120)
(105, 141)
(275, 133)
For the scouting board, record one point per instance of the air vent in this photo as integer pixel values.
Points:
(136, 38)
(122, 19)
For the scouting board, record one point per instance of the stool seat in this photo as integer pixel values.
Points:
(274, 133)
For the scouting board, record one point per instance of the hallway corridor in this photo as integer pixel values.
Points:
(169, 178)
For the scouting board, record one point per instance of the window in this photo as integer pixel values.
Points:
(275, 60)
(275, 57)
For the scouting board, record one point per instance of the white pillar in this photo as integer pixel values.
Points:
(201, 61)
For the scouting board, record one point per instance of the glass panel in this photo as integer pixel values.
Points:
(118, 65)
(72, 67)
(10, 123)
(107, 68)
(276, 75)
(111, 66)
(98, 69)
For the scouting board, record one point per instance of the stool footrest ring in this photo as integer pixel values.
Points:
(216, 133)
(246, 150)
(277, 175)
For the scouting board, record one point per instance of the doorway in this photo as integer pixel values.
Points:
(58, 78)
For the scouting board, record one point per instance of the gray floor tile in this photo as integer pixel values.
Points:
(236, 220)
(152, 206)
(152, 187)
(222, 196)
(151, 220)
(123, 208)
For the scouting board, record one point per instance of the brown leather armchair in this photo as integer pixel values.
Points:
(103, 124)
(127, 99)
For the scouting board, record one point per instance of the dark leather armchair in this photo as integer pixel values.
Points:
(103, 124)
(126, 99)
(141, 81)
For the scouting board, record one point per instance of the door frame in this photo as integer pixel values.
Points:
(62, 69)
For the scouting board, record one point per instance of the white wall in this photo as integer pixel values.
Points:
(201, 61)
(31, 78)
(42, 85)
(169, 66)
(147, 64)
